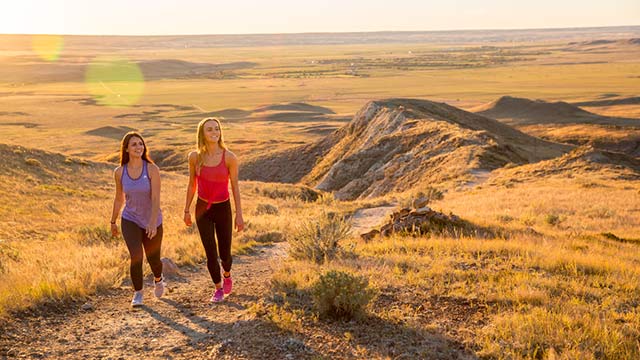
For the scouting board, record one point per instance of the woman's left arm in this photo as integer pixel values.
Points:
(154, 174)
(233, 177)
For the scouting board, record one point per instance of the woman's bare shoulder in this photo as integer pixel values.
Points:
(231, 156)
(193, 155)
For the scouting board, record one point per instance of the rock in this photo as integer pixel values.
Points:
(87, 307)
(400, 214)
(420, 202)
(421, 211)
(169, 268)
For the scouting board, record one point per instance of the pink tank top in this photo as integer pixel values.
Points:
(213, 182)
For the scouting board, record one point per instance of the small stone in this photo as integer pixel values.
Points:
(423, 210)
(420, 202)
(87, 307)
(169, 268)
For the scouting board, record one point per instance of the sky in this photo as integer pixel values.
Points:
(163, 17)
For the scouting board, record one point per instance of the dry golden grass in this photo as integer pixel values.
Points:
(583, 204)
(582, 133)
(558, 290)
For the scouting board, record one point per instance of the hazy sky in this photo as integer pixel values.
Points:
(142, 17)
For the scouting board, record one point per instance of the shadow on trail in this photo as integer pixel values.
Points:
(193, 335)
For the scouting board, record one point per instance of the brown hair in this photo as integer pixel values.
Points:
(124, 155)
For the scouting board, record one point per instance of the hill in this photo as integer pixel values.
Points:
(35, 181)
(521, 111)
(585, 161)
(396, 145)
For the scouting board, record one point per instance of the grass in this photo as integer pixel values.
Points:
(564, 291)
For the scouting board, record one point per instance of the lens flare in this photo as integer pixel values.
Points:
(114, 82)
(48, 47)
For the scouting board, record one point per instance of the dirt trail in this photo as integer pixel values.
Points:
(182, 324)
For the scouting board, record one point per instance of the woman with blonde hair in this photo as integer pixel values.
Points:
(138, 188)
(211, 168)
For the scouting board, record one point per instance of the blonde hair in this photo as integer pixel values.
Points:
(202, 144)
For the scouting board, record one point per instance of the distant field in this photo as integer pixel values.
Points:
(53, 107)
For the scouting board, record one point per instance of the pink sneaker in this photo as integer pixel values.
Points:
(218, 296)
(227, 285)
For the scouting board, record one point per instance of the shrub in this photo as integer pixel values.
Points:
(319, 239)
(96, 235)
(266, 209)
(340, 295)
(284, 191)
(552, 219)
(429, 195)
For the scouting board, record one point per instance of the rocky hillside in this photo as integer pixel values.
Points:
(397, 145)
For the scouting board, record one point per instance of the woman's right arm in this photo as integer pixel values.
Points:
(191, 187)
(118, 201)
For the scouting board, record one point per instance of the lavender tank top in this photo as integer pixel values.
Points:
(138, 197)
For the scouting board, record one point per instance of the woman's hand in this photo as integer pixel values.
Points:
(152, 229)
(239, 222)
(114, 230)
(187, 218)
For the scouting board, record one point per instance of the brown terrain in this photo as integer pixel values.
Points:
(400, 144)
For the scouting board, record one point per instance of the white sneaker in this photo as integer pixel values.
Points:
(137, 299)
(159, 287)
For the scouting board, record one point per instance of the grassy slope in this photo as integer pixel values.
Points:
(556, 285)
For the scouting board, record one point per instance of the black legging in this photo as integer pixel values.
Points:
(136, 238)
(216, 219)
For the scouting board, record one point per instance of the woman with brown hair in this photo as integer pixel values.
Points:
(211, 168)
(138, 188)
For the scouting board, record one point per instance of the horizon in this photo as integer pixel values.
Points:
(251, 17)
(331, 32)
